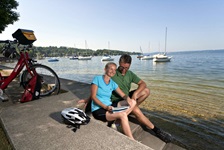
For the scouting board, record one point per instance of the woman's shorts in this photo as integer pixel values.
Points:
(100, 114)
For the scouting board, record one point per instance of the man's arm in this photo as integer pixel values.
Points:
(141, 87)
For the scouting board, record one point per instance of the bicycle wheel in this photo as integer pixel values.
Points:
(50, 83)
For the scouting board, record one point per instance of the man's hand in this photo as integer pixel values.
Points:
(83, 101)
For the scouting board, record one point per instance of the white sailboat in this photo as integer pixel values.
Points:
(162, 57)
(141, 55)
(107, 57)
(53, 59)
(85, 57)
(147, 57)
(74, 56)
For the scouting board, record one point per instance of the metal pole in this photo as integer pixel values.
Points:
(165, 39)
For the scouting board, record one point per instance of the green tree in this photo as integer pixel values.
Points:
(7, 13)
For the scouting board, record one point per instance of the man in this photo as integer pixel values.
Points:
(124, 78)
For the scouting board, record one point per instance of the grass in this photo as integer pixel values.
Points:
(4, 143)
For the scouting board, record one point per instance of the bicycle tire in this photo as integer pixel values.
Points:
(50, 84)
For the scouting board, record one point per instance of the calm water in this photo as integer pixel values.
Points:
(187, 92)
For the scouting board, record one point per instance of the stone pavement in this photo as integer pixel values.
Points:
(38, 125)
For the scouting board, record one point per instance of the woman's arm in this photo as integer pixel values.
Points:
(95, 99)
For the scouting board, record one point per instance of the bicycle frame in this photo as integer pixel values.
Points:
(24, 61)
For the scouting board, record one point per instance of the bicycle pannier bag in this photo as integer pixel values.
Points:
(9, 52)
(24, 36)
(32, 89)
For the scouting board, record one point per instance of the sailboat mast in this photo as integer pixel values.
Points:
(108, 45)
(86, 46)
(141, 50)
(165, 39)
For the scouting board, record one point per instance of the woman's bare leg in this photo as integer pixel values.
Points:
(122, 116)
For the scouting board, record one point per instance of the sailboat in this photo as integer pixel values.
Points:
(53, 59)
(85, 56)
(107, 57)
(146, 57)
(141, 55)
(162, 57)
(74, 57)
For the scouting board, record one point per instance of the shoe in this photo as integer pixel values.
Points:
(113, 126)
(109, 123)
(119, 128)
(164, 136)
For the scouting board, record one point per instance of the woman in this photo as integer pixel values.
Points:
(101, 106)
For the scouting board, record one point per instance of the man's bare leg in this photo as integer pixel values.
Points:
(142, 118)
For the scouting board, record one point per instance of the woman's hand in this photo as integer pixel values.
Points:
(109, 108)
(131, 101)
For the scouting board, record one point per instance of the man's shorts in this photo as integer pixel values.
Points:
(100, 114)
(131, 93)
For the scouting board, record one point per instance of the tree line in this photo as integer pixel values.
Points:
(54, 51)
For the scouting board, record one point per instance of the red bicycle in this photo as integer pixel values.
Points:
(50, 83)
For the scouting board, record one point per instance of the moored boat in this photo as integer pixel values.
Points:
(161, 58)
(146, 57)
(140, 55)
(84, 57)
(107, 58)
(53, 60)
(73, 57)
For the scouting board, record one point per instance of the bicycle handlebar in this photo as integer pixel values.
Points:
(8, 41)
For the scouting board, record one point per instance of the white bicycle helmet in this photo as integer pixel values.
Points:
(75, 116)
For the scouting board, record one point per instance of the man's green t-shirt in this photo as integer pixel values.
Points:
(124, 83)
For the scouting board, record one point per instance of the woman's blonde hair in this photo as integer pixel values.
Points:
(110, 63)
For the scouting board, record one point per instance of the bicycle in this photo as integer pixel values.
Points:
(50, 83)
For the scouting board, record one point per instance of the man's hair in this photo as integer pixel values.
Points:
(110, 63)
(125, 58)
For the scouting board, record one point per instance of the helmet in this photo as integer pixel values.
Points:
(75, 116)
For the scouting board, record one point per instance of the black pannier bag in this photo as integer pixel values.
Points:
(24, 36)
(9, 52)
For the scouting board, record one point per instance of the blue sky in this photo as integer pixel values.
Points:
(124, 24)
